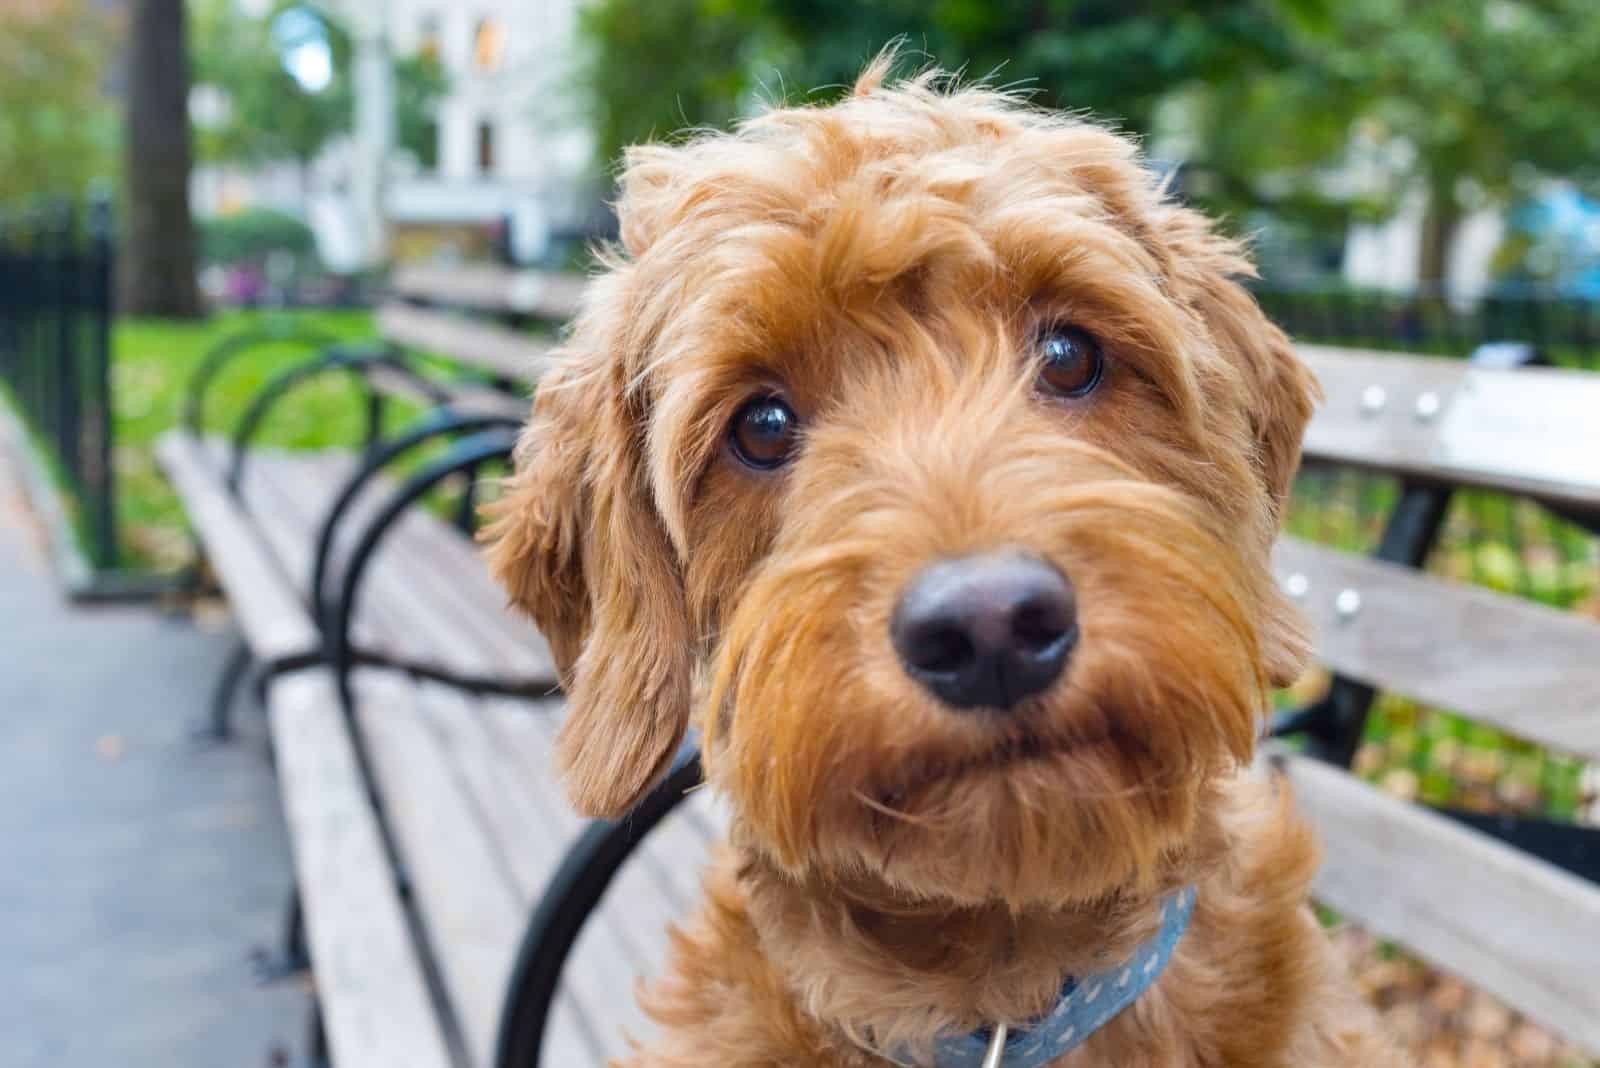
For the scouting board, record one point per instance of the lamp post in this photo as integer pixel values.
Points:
(374, 140)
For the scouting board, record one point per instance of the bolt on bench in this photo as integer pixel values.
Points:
(456, 912)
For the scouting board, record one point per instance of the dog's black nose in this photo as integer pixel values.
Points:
(986, 631)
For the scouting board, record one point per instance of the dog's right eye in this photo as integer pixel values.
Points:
(763, 433)
(1071, 363)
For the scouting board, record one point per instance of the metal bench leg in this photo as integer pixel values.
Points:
(316, 1038)
(234, 674)
(293, 957)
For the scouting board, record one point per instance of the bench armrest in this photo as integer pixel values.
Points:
(230, 348)
(441, 423)
(569, 898)
(463, 457)
(348, 359)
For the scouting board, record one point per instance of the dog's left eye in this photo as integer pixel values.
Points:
(1072, 363)
(764, 433)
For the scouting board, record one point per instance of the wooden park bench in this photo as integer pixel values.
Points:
(391, 670)
(1509, 903)
(455, 912)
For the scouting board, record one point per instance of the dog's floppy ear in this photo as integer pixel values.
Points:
(1283, 388)
(1282, 391)
(1206, 268)
(577, 542)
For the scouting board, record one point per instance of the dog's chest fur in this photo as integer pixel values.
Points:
(1253, 985)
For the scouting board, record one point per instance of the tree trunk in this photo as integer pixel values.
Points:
(157, 272)
(1440, 222)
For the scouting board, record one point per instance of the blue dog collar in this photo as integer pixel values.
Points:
(1086, 1005)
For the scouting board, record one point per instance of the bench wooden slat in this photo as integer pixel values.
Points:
(512, 798)
(454, 569)
(473, 912)
(525, 743)
(495, 349)
(1531, 430)
(1512, 663)
(676, 850)
(274, 622)
(523, 821)
(426, 582)
(548, 295)
(286, 495)
(1521, 929)
(376, 1007)
(630, 927)
(531, 829)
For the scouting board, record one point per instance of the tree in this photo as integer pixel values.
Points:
(157, 263)
(420, 83)
(655, 66)
(57, 127)
(266, 114)
(652, 67)
(269, 114)
(1460, 103)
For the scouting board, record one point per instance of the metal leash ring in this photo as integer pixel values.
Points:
(997, 1047)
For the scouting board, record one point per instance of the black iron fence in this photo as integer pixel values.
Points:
(55, 351)
(1565, 330)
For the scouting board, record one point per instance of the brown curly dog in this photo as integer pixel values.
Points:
(927, 458)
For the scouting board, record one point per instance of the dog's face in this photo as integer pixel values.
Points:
(929, 459)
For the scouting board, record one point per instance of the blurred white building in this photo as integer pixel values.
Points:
(509, 130)
(508, 134)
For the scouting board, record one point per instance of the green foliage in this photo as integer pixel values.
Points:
(153, 362)
(1479, 90)
(419, 83)
(652, 67)
(269, 116)
(249, 236)
(655, 66)
(1468, 103)
(1110, 58)
(58, 130)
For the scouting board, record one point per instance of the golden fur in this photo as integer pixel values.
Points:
(896, 869)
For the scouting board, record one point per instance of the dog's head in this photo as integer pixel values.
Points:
(929, 458)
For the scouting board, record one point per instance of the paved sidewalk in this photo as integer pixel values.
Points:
(137, 869)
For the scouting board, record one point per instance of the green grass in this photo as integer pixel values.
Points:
(153, 362)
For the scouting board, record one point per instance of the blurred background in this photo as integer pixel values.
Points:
(1413, 176)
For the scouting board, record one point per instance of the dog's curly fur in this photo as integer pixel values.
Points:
(896, 870)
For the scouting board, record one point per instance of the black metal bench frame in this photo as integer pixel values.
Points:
(474, 440)
(478, 439)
